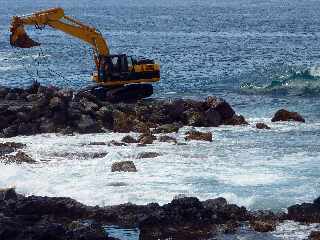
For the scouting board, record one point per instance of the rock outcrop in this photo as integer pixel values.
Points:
(40, 109)
(285, 115)
(124, 166)
(199, 136)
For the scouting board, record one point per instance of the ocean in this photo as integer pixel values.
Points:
(260, 56)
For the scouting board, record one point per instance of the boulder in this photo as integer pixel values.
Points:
(214, 118)
(305, 212)
(10, 147)
(194, 118)
(86, 124)
(121, 122)
(262, 126)
(129, 139)
(285, 115)
(146, 139)
(148, 155)
(235, 120)
(263, 226)
(200, 136)
(105, 115)
(221, 106)
(124, 166)
(88, 107)
(10, 131)
(166, 138)
(314, 235)
(166, 128)
(56, 103)
(19, 157)
(8, 194)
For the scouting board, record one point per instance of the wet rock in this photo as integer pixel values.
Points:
(166, 138)
(11, 96)
(86, 124)
(3, 92)
(105, 115)
(263, 226)
(98, 143)
(88, 107)
(284, 115)
(121, 122)
(10, 131)
(262, 126)
(194, 118)
(146, 139)
(148, 155)
(124, 166)
(166, 128)
(129, 139)
(8, 194)
(231, 227)
(115, 143)
(86, 230)
(200, 136)
(19, 157)
(33, 97)
(56, 103)
(46, 126)
(235, 120)
(305, 212)
(314, 235)
(221, 106)
(214, 118)
(10, 147)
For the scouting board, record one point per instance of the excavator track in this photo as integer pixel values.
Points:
(128, 93)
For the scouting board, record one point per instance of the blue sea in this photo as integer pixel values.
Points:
(260, 56)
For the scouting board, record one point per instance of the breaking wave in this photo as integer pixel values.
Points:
(305, 82)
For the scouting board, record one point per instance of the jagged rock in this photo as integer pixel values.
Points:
(46, 126)
(7, 194)
(284, 115)
(19, 157)
(56, 103)
(10, 131)
(314, 235)
(98, 143)
(86, 124)
(148, 155)
(11, 96)
(27, 128)
(305, 212)
(3, 92)
(166, 138)
(166, 128)
(88, 107)
(262, 126)
(105, 115)
(221, 106)
(125, 166)
(235, 120)
(263, 226)
(214, 118)
(115, 143)
(194, 118)
(10, 147)
(121, 122)
(65, 94)
(129, 139)
(146, 139)
(200, 136)
(230, 227)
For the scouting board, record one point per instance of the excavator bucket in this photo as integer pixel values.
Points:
(19, 38)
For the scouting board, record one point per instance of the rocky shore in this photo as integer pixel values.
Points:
(46, 109)
(36, 217)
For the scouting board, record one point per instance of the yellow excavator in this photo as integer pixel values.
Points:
(118, 77)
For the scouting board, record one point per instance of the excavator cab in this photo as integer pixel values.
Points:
(122, 69)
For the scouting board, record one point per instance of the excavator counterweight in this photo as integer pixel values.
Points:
(116, 73)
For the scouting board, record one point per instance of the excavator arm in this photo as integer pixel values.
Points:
(56, 19)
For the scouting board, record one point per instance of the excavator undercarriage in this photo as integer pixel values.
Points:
(118, 77)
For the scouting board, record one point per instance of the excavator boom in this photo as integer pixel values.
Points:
(56, 19)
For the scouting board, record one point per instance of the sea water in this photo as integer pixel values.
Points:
(259, 55)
